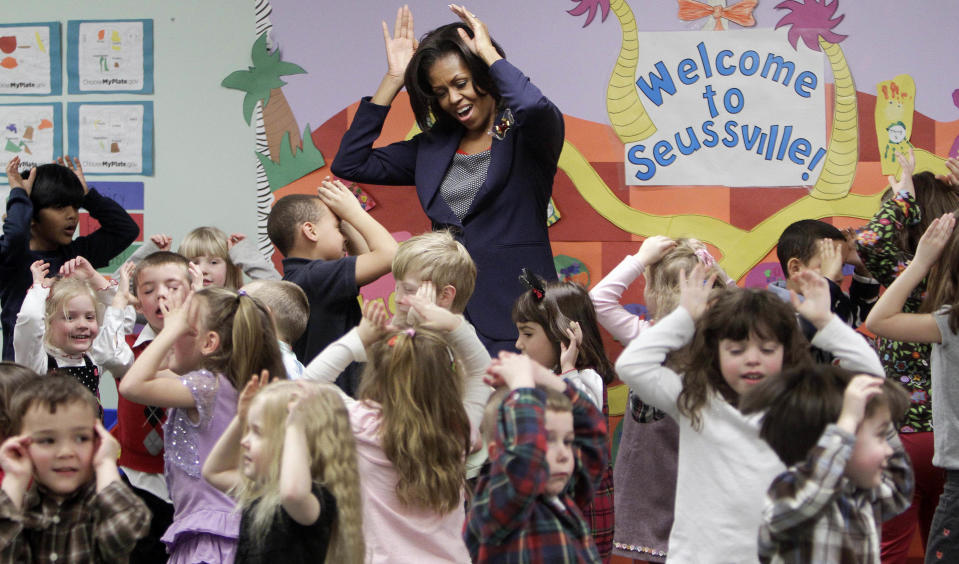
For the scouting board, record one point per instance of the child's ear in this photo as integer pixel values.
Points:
(308, 230)
(445, 297)
(211, 342)
(793, 267)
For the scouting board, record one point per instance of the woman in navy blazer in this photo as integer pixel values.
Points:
(467, 100)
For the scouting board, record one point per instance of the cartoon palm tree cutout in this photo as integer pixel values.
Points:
(813, 22)
(262, 82)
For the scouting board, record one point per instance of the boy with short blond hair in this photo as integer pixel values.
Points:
(62, 497)
(290, 310)
(438, 257)
(314, 232)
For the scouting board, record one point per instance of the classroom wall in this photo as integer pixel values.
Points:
(204, 168)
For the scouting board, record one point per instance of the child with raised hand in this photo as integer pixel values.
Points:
(290, 460)
(642, 523)
(558, 329)
(218, 339)
(936, 256)
(732, 343)
(42, 216)
(847, 469)
(63, 326)
(411, 426)
(887, 244)
(62, 498)
(548, 454)
(315, 233)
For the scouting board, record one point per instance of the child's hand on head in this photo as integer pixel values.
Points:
(81, 269)
(513, 371)
(375, 322)
(569, 353)
(253, 386)
(654, 249)
(17, 181)
(816, 305)
(74, 165)
(40, 269)
(124, 296)
(952, 178)
(107, 447)
(934, 240)
(162, 241)
(694, 290)
(423, 309)
(339, 199)
(858, 392)
(294, 412)
(196, 277)
(831, 259)
(234, 239)
(15, 458)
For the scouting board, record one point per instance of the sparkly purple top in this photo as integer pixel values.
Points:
(198, 506)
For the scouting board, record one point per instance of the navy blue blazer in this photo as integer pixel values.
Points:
(505, 227)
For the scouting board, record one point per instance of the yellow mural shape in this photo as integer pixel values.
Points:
(626, 112)
(895, 108)
(842, 153)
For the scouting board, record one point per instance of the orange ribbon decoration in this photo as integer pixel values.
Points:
(741, 13)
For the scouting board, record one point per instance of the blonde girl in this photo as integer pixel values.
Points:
(220, 259)
(289, 458)
(937, 255)
(411, 427)
(218, 338)
(64, 326)
(643, 522)
(743, 337)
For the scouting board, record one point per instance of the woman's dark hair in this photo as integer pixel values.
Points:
(800, 403)
(55, 186)
(435, 45)
(735, 314)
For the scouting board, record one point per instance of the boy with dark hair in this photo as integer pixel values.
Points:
(42, 215)
(821, 247)
(547, 456)
(62, 498)
(847, 469)
(313, 232)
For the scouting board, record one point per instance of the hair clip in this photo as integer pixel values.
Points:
(704, 257)
(410, 331)
(241, 292)
(392, 341)
(532, 283)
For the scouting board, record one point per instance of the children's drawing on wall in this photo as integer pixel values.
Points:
(110, 56)
(112, 138)
(32, 132)
(717, 14)
(895, 109)
(30, 59)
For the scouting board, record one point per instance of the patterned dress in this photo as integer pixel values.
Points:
(907, 363)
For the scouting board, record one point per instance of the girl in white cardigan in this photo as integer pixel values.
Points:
(724, 467)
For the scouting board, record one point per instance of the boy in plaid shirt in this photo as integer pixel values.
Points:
(829, 505)
(547, 456)
(62, 499)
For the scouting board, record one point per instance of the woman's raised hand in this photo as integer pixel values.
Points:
(480, 43)
(401, 46)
